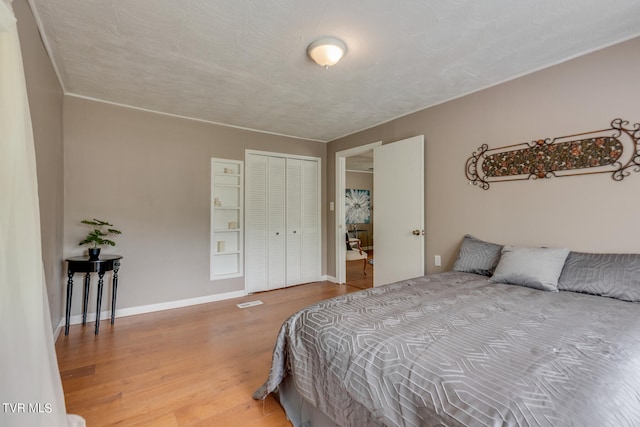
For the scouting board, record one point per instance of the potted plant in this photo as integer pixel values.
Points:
(97, 236)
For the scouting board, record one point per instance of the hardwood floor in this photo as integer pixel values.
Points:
(193, 366)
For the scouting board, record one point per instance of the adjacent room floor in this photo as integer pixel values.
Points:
(355, 276)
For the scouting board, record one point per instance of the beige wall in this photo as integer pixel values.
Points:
(149, 174)
(45, 103)
(590, 213)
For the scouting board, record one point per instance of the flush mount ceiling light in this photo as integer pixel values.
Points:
(327, 51)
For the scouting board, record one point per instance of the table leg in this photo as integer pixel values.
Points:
(100, 286)
(85, 303)
(114, 290)
(69, 292)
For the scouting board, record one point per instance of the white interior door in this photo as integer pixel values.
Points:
(398, 185)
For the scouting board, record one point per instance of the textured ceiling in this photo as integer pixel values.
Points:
(243, 62)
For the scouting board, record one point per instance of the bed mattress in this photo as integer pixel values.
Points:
(454, 349)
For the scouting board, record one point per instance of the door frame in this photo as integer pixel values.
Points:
(340, 247)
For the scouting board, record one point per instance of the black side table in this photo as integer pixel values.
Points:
(82, 264)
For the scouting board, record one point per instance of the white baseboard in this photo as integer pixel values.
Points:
(132, 311)
(142, 309)
(56, 333)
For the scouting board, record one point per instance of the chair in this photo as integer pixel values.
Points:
(355, 252)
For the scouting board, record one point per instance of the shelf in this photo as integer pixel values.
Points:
(226, 230)
(227, 253)
(227, 207)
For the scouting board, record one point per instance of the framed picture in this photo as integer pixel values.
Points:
(358, 206)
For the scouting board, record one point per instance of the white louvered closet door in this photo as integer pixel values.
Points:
(282, 220)
(276, 266)
(265, 223)
(310, 217)
(256, 204)
(294, 221)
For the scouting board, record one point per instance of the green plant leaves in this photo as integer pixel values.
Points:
(96, 236)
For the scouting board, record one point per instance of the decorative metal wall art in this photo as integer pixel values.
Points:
(615, 150)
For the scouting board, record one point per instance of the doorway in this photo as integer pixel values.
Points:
(354, 166)
(359, 219)
(399, 217)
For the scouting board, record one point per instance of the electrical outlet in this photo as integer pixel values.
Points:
(438, 261)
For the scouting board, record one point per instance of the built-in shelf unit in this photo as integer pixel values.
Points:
(227, 197)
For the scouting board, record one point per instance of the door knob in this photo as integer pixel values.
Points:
(418, 232)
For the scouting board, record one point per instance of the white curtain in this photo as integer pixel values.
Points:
(30, 387)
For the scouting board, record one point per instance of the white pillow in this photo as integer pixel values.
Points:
(537, 268)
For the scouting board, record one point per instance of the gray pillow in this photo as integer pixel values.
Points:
(477, 256)
(537, 268)
(610, 275)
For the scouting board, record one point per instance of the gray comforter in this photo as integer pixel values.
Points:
(453, 349)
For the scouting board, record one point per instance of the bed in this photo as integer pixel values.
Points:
(469, 349)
